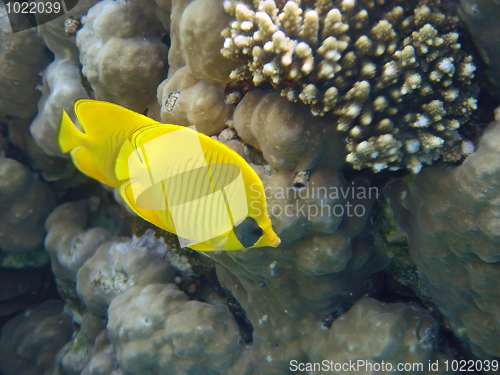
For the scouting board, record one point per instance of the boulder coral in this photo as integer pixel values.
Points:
(83, 68)
(133, 33)
(369, 329)
(30, 342)
(156, 329)
(451, 218)
(22, 58)
(193, 94)
(187, 101)
(25, 202)
(63, 82)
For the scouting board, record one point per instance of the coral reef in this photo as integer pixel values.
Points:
(97, 264)
(193, 95)
(275, 127)
(480, 16)
(285, 292)
(22, 58)
(20, 287)
(102, 358)
(117, 266)
(30, 341)
(451, 218)
(286, 85)
(163, 332)
(20, 138)
(88, 351)
(393, 75)
(199, 48)
(62, 80)
(67, 242)
(370, 329)
(25, 202)
(188, 101)
(137, 42)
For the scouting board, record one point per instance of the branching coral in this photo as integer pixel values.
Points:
(393, 75)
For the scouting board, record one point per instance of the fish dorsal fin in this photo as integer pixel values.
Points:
(103, 118)
(151, 131)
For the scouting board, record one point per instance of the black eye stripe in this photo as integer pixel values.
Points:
(248, 232)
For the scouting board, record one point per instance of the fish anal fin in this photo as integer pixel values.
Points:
(161, 218)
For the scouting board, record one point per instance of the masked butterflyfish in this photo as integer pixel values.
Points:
(172, 176)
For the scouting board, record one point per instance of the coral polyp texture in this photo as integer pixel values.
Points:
(392, 74)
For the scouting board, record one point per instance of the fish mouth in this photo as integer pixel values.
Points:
(269, 239)
(275, 242)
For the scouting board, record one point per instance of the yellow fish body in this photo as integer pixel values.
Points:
(172, 176)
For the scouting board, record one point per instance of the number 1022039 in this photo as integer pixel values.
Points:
(33, 7)
(471, 365)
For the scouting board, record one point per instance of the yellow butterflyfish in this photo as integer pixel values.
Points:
(172, 176)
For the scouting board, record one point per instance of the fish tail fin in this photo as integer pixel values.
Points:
(68, 136)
